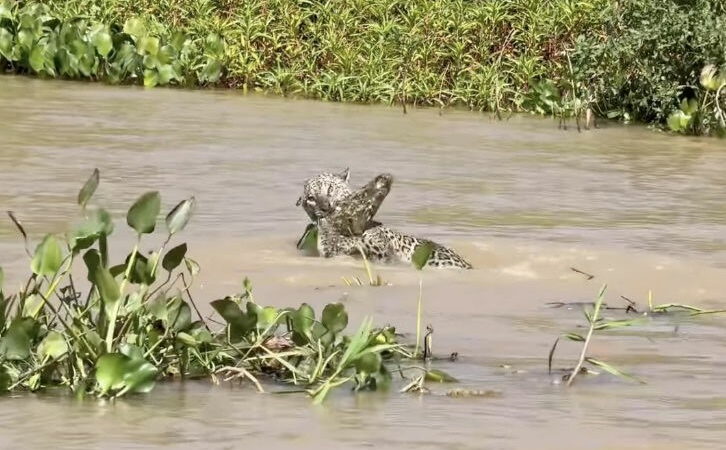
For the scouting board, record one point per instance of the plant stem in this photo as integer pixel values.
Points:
(593, 320)
(114, 312)
(366, 265)
(53, 285)
(418, 317)
(161, 250)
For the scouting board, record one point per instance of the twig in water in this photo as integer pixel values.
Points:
(589, 276)
(239, 372)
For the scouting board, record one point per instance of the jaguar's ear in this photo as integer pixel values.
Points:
(345, 174)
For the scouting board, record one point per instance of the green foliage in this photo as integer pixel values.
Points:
(89, 188)
(596, 323)
(421, 255)
(480, 55)
(36, 39)
(51, 334)
(634, 60)
(143, 213)
(179, 216)
(649, 58)
(121, 373)
(48, 257)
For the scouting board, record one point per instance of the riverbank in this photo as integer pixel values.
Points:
(564, 58)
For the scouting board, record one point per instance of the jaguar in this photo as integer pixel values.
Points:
(345, 224)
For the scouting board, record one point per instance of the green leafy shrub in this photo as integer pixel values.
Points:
(649, 56)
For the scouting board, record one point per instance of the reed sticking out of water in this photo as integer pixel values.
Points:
(595, 324)
(376, 280)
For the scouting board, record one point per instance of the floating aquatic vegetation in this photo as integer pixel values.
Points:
(138, 323)
(596, 323)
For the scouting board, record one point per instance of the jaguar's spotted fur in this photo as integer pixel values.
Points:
(345, 225)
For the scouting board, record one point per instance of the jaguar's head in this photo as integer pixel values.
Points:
(323, 192)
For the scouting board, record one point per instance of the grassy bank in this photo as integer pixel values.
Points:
(633, 60)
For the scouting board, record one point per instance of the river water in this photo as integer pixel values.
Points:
(521, 199)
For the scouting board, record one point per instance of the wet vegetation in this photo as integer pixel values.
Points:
(640, 60)
(595, 323)
(34, 41)
(122, 327)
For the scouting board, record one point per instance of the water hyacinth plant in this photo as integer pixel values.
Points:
(137, 322)
(707, 115)
(32, 40)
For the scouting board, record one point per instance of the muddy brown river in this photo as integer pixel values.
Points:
(521, 199)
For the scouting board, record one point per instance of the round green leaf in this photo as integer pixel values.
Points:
(115, 371)
(213, 45)
(211, 71)
(33, 304)
(157, 307)
(110, 371)
(139, 375)
(37, 58)
(240, 324)
(166, 74)
(6, 10)
(151, 78)
(303, 319)
(132, 351)
(674, 120)
(177, 40)
(142, 214)
(6, 44)
(167, 54)
(179, 216)
(368, 363)
(48, 258)
(149, 45)
(135, 28)
(180, 315)
(174, 257)
(103, 43)
(53, 346)
(17, 340)
(96, 225)
(334, 317)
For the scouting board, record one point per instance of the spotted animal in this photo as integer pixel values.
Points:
(345, 225)
(323, 191)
